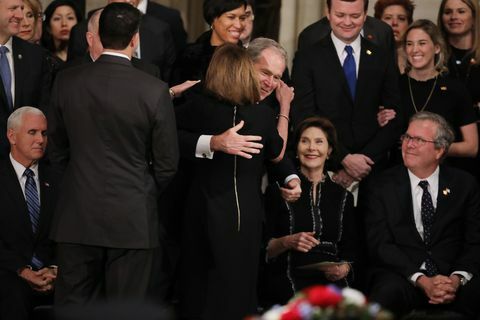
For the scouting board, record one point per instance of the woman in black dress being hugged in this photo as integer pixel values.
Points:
(319, 227)
(221, 235)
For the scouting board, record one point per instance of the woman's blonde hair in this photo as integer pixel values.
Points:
(231, 75)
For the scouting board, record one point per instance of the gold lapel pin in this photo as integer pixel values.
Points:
(369, 52)
(20, 57)
(443, 88)
(446, 192)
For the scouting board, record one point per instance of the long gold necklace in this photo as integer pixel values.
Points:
(429, 96)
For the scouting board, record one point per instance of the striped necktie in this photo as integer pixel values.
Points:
(6, 75)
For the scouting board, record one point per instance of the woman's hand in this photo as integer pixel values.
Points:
(182, 87)
(337, 272)
(302, 241)
(385, 115)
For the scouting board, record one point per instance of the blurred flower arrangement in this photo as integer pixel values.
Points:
(327, 303)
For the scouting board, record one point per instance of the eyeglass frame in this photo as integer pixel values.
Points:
(418, 141)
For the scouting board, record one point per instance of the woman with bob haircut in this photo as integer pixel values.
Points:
(221, 234)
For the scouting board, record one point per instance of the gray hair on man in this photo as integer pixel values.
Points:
(16, 118)
(444, 136)
(257, 45)
(93, 22)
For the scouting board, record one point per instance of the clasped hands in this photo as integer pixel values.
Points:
(41, 280)
(439, 289)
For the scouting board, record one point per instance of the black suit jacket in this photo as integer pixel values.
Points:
(32, 84)
(374, 30)
(116, 135)
(173, 18)
(17, 240)
(393, 241)
(321, 89)
(156, 44)
(149, 68)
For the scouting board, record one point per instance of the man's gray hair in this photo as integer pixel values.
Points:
(16, 118)
(257, 45)
(445, 136)
(92, 25)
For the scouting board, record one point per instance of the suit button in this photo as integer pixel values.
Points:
(429, 252)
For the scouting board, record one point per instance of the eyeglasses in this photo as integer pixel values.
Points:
(418, 141)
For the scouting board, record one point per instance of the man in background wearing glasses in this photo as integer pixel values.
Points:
(423, 227)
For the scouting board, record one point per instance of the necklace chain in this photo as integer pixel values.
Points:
(429, 96)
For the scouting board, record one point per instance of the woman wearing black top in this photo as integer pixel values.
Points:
(426, 87)
(319, 227)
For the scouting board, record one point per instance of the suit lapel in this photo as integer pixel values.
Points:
(336, 66)
(367, 61)
(45, 199)
(15, 190)
(19, 69)
(445, 197)
(405, 201)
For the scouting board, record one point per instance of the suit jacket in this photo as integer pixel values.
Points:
(321, 89)
(149, 68)
(156, 44)
(32, 84)
(374, 30)
(173, 18)
(393, 240)
(115, 135)
(18, 243)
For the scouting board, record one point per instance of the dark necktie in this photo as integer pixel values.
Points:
(6, 75)
(427, 221)
(33, 205)
(350, 70)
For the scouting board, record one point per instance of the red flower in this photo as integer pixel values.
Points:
(322, 296)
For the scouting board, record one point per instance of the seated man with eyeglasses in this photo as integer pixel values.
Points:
(423, 227)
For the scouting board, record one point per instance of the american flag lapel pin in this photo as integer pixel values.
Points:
(446, 191)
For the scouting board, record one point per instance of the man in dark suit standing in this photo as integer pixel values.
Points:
(171, 16)
(113, 128)
(28, 197)
(346, 78)
(373, 29)
(156, 44)
(25, 77)
(423, 226)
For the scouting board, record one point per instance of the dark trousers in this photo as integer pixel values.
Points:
(400, 296)
(17, 299)
(89, 273)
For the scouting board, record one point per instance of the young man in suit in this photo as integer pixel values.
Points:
(28, 198)
(423, 222)
(346, 78)
(25, 76)
(113, 129)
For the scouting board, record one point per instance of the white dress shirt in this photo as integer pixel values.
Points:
(342, 54)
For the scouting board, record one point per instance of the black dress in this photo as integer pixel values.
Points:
(333, 222)
(449, 98)
(221, 236)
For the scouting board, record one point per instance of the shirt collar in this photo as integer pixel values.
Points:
(432, 179)
(142, 6)
(340, 45)
(116, 54)
(20, 169)
(8, 44)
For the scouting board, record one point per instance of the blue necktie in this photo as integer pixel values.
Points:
(350, 70)
(33, 205)
(427, 212)
(6, 75)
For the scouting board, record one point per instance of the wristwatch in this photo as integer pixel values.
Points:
(463, 280)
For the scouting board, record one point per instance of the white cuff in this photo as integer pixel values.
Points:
(290, 177)
(203, 147)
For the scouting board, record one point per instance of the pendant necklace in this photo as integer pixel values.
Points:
(429, 96)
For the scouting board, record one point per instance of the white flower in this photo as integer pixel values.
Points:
(274, 313)
(352, 296)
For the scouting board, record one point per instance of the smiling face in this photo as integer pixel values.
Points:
(457, 17)
(313, 149)
(29, 140)
(420, 50)
(270, 67)
(396, 16)
(346, 19)
(228, 27)
(27, 27)
(11, 15)
(422, 160)
(62, 21)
